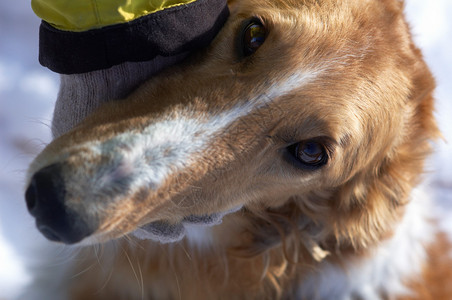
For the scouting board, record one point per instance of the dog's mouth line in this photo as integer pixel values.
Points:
(165, 232)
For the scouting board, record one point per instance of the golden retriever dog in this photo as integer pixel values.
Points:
(279, 163)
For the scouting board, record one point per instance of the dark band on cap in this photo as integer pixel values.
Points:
(167, 32)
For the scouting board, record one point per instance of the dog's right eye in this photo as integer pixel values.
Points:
(252, 37)
(309, 154)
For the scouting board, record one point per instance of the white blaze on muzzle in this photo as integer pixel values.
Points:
(168, 146)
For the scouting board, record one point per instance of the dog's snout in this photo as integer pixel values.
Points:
(45, 198)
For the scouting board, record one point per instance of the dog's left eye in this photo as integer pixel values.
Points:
(253, 36)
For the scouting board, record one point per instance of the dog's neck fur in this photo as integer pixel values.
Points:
(383, 269)
(273, 270)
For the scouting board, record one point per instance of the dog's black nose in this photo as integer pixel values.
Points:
(45, 197)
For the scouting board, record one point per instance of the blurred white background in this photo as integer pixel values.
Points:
(28, 92)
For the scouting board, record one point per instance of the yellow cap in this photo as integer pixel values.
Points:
(82, 15)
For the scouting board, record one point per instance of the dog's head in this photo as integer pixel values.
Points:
(326, 104)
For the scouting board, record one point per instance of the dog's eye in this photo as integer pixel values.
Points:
(253, 36)
(309, 153)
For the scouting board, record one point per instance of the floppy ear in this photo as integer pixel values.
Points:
(368, 204)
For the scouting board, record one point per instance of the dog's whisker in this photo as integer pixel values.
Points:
(106, 282)
(85, 270)
(134, 273)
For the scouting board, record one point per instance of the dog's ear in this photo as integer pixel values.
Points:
(365, 207)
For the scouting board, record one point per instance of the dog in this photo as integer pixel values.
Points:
(282, 162)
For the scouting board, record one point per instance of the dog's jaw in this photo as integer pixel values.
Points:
(169, 233)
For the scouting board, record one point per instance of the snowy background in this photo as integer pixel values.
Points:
(28, 92)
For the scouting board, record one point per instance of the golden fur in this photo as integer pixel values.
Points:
(370, 98)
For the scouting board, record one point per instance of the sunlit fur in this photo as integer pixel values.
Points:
(210, 135)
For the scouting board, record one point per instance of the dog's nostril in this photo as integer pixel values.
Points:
(46, 188)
